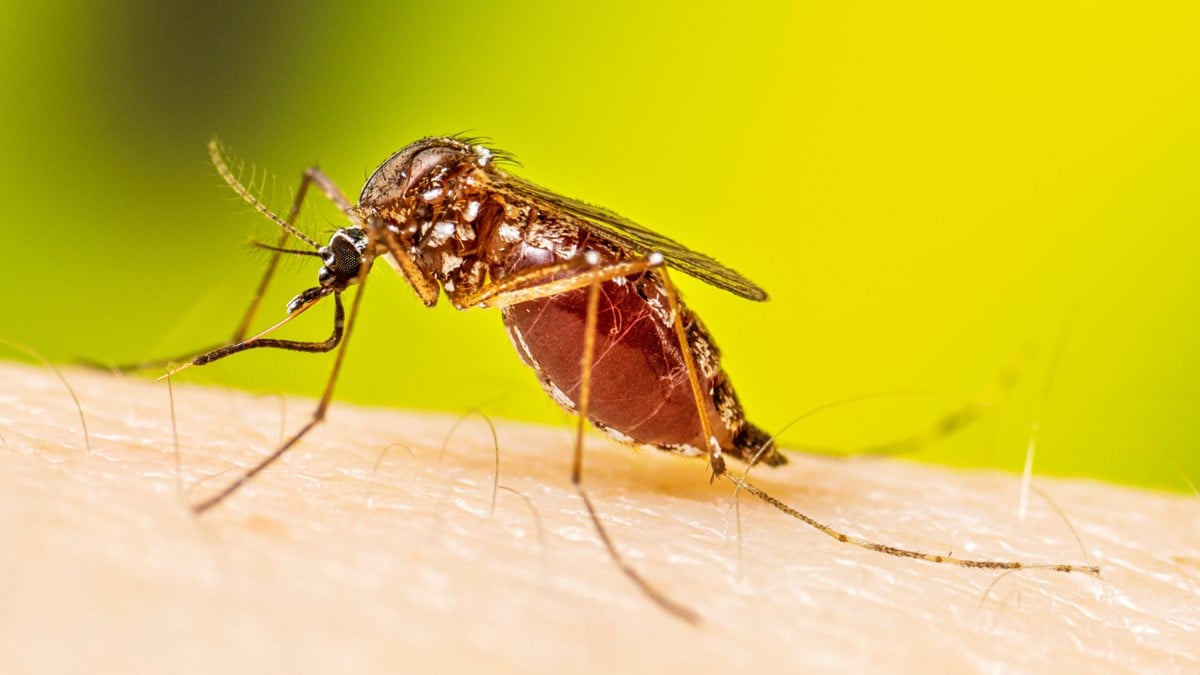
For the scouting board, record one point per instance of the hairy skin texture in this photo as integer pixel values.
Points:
(338, 560)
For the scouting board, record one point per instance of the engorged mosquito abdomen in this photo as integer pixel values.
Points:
(640, 391)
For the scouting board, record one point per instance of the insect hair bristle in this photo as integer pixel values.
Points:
(499, 156)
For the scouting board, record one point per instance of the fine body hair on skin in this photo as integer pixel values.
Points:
(338, 560)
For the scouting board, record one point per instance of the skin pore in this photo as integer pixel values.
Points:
(366, 549)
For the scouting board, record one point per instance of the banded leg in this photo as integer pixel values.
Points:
(311, 176)
(340, 338)
(718, 466)
(341, 328)
(260, 342)
(589, 348)
(541, 283)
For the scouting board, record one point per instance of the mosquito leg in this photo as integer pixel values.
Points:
(589, 347)
(716, 461)
(329, 344)
(311, 176)
(901, 552)
(718, 467)
(322, 406)
(539, 282)
(542, 282)
(292, 345)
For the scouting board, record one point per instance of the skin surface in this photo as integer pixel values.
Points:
(343, 557)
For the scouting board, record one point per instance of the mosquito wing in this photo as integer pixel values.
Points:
(623, 231)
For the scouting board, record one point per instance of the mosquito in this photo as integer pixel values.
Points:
(585, 294)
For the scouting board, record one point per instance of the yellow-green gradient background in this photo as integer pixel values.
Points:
(926, 189)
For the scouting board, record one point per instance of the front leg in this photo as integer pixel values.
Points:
(549, 280)
(311, 177)
(585, 271)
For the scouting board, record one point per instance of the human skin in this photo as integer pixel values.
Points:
(367, 549)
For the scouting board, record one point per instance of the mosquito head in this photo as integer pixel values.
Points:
(343, 261)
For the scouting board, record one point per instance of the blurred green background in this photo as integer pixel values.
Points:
(926, 189)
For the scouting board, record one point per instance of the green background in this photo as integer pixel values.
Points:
(926, 189)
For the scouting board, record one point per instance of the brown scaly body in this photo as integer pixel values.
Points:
(468, 223)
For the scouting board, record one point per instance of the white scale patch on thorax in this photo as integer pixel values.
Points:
(509, 234)
(450, 263)
(440, 234)
(566, 251)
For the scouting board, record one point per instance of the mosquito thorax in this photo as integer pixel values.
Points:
(420, 166)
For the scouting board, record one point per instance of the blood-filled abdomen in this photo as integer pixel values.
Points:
(640, 390)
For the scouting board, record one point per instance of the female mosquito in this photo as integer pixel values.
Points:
(586, 296)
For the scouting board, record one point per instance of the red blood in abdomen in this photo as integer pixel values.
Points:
(639, 384)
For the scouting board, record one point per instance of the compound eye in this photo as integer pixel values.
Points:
(346, 257)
